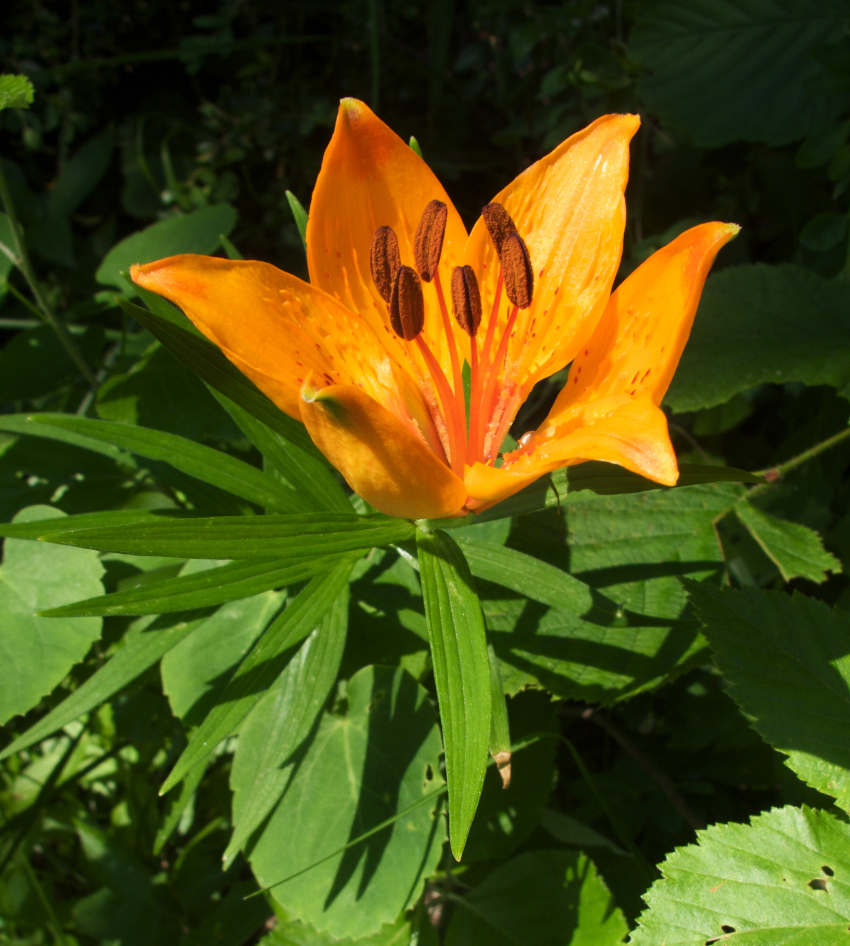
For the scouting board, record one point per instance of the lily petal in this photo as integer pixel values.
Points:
(274, 327)
(640, 338)
(370, 178)
(633, 435)
(381, 460)
(569, 209)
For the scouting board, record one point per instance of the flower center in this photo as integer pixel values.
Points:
(401, 289)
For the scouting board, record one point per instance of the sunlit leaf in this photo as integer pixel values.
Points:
(461, 673)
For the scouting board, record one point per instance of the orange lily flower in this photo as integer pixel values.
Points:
(370, 353)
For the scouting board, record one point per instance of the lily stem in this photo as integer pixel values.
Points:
(22, 261)
(774, 473)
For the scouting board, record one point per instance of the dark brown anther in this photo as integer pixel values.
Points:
(428, 242)
(407, 306)
(499, 225)
(519, 276)
(385, 261)
(466, 299)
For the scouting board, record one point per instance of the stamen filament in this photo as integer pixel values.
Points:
(489, 397)
(477, 416)
(454, 422)
(474, 402)
(457, 377)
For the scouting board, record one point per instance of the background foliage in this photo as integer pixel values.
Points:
(651, 631)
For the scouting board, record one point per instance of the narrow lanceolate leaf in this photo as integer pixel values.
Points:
(209, 364)
(461, 672)
(312, 479)
(143, 646)
(208, 465)
(795, 550)
(289, 538)
(788, 666)
(24, 424)
(260, 668)
(532, 578)
(779, 881)
(117, 518)
(200, 590)
(281, 722)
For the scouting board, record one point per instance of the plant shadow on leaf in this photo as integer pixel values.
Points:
(403, 727)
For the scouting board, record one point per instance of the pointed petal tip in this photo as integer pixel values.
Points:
(352, 109)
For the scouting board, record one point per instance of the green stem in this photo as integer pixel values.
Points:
(774, 473)
(25, 266)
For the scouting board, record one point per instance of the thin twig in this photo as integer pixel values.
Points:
(22, 261)
(661, 778)
(775, 473)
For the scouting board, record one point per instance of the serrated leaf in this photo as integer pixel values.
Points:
(376, 759)
(38, 652)
(291, 538)
(737, 70)
(782, 879)
(202, 589)
(461, 673)
(796, 550)
(260, 669)
(195, 232)
(15, 92)
(278, 725)
(146, 641)
(788, 666)
(208, 465)
(538, 899)
(209, 364)
(760, 324)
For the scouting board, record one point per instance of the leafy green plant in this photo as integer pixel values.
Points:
(240, 706)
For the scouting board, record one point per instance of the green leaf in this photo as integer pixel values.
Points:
(779, 880)
(176, 804)
(235, 920)
(260, 669)
(24, 424)
(763, 324)
(375, 759)
(195, 672)
(537, 899)
(208, 362)
(80, 174)
(290, 538)
(15, 92)
(296, 933)
(604, 479)
(461, 673)
(208, 465)
(202, 589)
(533, 578)
(796, 550)
(38, 652)
(738, 70)
(568, 830)
(788, 667)
(299, 214)
(195, 232)
(116, 518)
(506, 817)
(160, 392)
(146, 641)
(312, 479)
(281, 722)
(34, 363)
